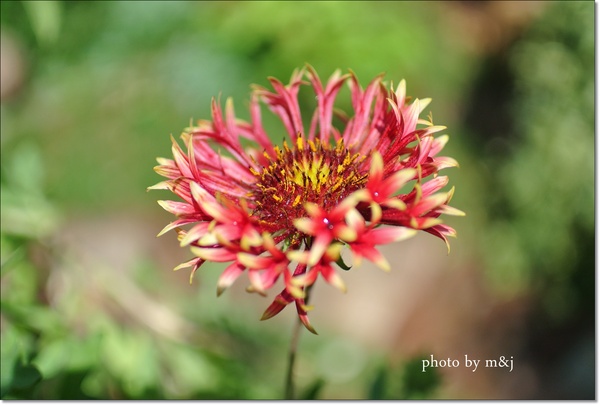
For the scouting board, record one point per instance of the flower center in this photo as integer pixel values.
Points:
(311, 172)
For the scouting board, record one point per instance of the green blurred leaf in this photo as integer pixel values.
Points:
(85, 353)
(45, 17)
(343, 266)
(52, 359)
(37, 318)
(24, 376)
(417, 384)
(12, 254)
(16, 372)
(94, 384)
(25, 170)
(130, 356)
(377, 390)
(20, 281)
(25, 210)
(67, 354)
(190, 371)
(313, 390)
(10, 357)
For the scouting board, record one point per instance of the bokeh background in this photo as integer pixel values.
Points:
(91, 91)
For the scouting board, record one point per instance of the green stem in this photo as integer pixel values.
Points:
(289, 382)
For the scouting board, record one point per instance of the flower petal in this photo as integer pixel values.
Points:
(218, 255)
(385, 235)
(229, 275)
(319, 246)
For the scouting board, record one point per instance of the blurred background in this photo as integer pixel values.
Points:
(91, 91)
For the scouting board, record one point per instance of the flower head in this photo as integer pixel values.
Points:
(285, 212)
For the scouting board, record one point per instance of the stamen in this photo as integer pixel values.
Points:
(320, 174)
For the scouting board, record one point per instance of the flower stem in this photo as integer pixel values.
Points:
(289, 382)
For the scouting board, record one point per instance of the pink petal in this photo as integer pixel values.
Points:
(176, 207)
(319, 246)
(229, 275)
(213, 254)
(385, 235)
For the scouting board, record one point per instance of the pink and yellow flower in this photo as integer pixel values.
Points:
(287, 212)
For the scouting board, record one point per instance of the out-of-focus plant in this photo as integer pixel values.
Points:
(404, 382)
(27, 217)
(367, 36)
(543, 212)
(536, 152)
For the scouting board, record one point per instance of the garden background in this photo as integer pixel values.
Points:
(91, 91)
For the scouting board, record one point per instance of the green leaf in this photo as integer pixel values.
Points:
(53, 358)
(130, 356)
(415, 383)
(45, 18)
(12, 253)
(40, 319)
(190, 370)
(68, 354)
(313, 390)
(378, 386)
(15, 347)
(10, 357)
(25, 170)
(25, 375)
(343, 266)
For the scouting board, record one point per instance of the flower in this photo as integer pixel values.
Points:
(285, 212)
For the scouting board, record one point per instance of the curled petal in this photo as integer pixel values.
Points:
(302, 314)
(218, 255)
(333, 278)
(372, 254)
(197, 232)
(448, 210)
(424, 223)
(280, 302)
(177, 208)
(441, 231)
(319, 246)
(256, 281)
(254, 262)
(434, 185)
(229, 275)
(163, 185)
(176, 224)
(194, 264)
(388, 234)
(445, 162)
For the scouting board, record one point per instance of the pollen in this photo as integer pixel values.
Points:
(311, 171)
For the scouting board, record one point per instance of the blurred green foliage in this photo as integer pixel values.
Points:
(542, 229)
(407, 381)
(107, 82)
